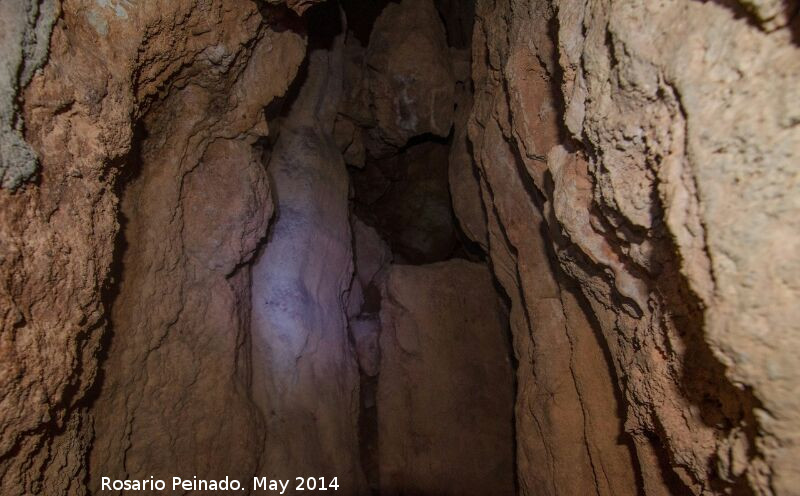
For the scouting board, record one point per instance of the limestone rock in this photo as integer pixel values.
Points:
(409, 78)
(372, 257)
(371, 253)
(366, 331)
(171, 304)
(643, 208)
(196, 213)
(305, 374)
(445, 391)
(87, 115)
(350, 141)
(462, 173)
(25, 27)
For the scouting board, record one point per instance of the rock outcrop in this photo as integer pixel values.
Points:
(25, 27)
(177, 394)
(409, 76)
(639, 135)
(400, 85)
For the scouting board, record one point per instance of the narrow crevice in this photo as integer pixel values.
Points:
(130, 167)
(419, 247)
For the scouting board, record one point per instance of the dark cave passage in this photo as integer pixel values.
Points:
(398, 247)
(423, 361)
(362, 337)
(366, 332)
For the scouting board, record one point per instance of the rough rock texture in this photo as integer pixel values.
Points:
(25, 27)
(305, 373)
(372, 257)
(656, 143)
(445, 390)
(399, 80)
(569, 435)
(409, 79)
(463, 178)
(111, 64)
(195, 217)
(630, 169)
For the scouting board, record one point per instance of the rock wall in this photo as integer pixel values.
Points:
(408, 78)
(177, 395)
(445, 389)
(629, 168)
(398, 86)
(651, 147)
(101, 115)
(25, 27)
(305, 373)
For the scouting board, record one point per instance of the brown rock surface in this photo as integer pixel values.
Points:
(110, 64)
(408, 75)
(25, 28)
(569, 435)
(445, 390)
(651, 194)
(629, 168)
(462, 174)
(176, 395)
(714, 96)
(372, 257)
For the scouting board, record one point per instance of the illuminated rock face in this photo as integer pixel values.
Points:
(176, 390)
(305, 373)
(187, 288)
